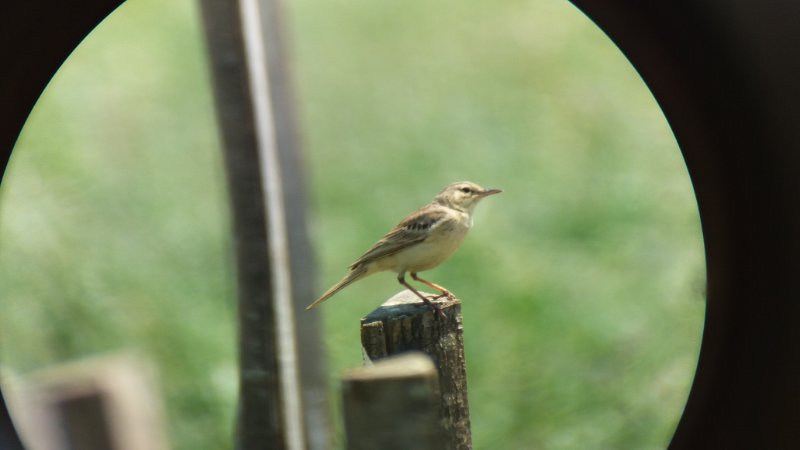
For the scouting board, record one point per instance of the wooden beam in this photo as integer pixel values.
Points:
(274, 263)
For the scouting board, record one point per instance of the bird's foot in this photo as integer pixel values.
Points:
(438, 310)
(445, 294)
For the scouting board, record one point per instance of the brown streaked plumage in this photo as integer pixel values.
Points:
(421, 241)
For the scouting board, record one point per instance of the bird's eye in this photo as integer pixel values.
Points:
(466, 190)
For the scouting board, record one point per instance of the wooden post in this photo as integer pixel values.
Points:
(282, 391)
(403, 324)
(102, 403)
(393, 405)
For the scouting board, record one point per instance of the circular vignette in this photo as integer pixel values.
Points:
(724, 74)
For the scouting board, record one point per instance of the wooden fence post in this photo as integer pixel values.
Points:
(393, 405)
(404, 324)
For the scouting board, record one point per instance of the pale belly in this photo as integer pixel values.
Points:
(428, 254)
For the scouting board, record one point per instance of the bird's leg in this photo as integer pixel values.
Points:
(444, 292)
(402, 279)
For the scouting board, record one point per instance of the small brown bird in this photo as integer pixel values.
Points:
(422, 241)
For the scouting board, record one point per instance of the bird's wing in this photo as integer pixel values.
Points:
(412, 230)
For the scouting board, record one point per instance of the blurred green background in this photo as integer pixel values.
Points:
(582, 283)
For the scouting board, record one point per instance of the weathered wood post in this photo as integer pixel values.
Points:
(282, 390)
(404, 324)
(393, 405)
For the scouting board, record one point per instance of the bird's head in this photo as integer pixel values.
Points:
(463, 195)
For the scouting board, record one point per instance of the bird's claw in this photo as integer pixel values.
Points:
(446, 294)
(439, 311)
(436, 307)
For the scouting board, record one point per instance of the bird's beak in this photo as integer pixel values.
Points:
(489, 192)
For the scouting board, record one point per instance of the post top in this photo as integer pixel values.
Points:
(405, 303)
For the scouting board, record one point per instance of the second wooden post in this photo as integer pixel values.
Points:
(404, 324)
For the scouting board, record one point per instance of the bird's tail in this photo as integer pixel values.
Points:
(354, 275)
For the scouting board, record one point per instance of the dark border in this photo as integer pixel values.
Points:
(726, 76)
(35, 39)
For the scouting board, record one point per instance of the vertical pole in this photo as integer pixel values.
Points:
(274, 264)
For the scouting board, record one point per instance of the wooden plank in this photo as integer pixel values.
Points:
(393, 405)
(110, 402)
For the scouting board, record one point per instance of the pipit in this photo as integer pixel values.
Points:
(420, 242)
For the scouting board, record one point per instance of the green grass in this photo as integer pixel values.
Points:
(582, 283)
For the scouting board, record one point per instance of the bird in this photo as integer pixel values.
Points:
(420, 242)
